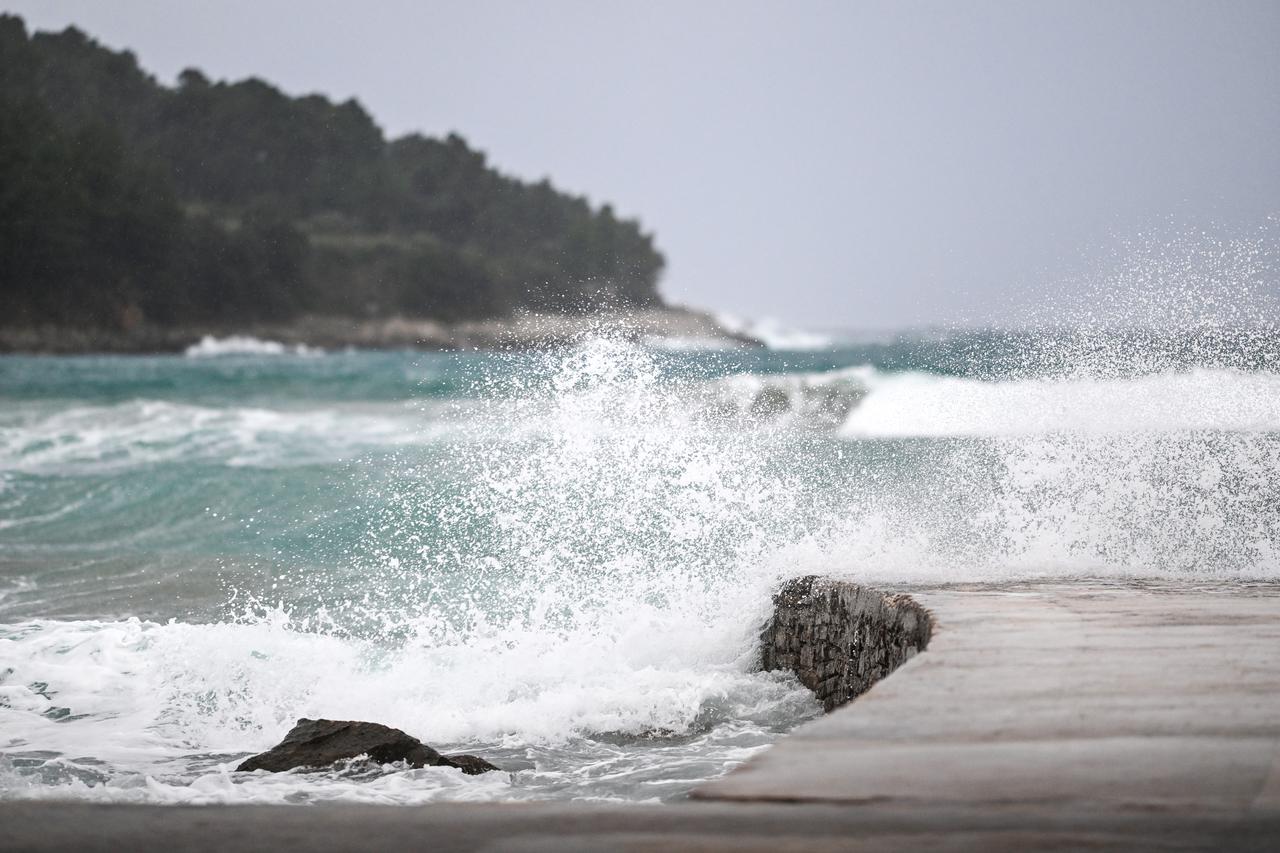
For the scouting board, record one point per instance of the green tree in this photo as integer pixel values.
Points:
(124, 200)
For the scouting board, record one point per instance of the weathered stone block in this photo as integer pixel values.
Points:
(840, 638)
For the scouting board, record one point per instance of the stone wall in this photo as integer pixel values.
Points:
(840, 638)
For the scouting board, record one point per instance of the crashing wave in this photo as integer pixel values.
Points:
(141, 433)
(923, 405)
(820, 400)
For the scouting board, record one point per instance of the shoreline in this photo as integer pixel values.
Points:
(1042, 715)
(518, 332)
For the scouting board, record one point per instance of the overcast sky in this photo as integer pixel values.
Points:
(848, 164)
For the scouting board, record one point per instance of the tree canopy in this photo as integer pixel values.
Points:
(125, 201)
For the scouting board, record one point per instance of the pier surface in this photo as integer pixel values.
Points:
(1055, 716)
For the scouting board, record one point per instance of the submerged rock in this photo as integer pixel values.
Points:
(319, 743)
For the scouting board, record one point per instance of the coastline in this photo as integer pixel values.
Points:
(520, 331)
(1050, 715)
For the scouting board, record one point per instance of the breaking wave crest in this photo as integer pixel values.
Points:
(140, 433)
(918, 404)
(577, 600)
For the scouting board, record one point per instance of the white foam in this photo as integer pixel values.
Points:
(212, 347)
(1164, 505)
(145, 700)
(602, 578)
(610, 550)
(799, 400)
(40, 438)
(917, 404)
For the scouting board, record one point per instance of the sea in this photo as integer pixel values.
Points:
(561, 560)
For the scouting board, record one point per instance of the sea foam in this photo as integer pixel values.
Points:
(918, 404)
(212, 347)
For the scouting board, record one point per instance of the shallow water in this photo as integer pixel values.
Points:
(559, 560)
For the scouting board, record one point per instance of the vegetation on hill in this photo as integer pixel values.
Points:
(127, 202)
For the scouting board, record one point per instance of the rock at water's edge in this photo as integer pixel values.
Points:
(319, 743)
(840, 638)
(472, 765)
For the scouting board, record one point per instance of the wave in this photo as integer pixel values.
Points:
(213, 347)
(863, 402)
(39, 438)
(956, 479)
(588, 556)
(535, 596)
(918, 404)
(166, 711)
(801, 400)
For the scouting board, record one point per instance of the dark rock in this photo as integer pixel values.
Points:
(472, 765)
(840, 638)
(319, 743)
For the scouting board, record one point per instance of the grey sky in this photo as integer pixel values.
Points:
(846, 164)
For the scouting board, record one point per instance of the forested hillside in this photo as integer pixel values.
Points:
(127, 202)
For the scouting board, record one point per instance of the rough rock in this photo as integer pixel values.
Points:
(319, 743)
(840, 638)
(472, 765)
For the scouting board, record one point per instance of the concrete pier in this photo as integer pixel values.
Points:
(1101, 698)
(1056, 716)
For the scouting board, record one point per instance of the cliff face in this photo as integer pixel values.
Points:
(840, 638)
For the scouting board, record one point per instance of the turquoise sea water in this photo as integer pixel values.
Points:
(559, 560)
